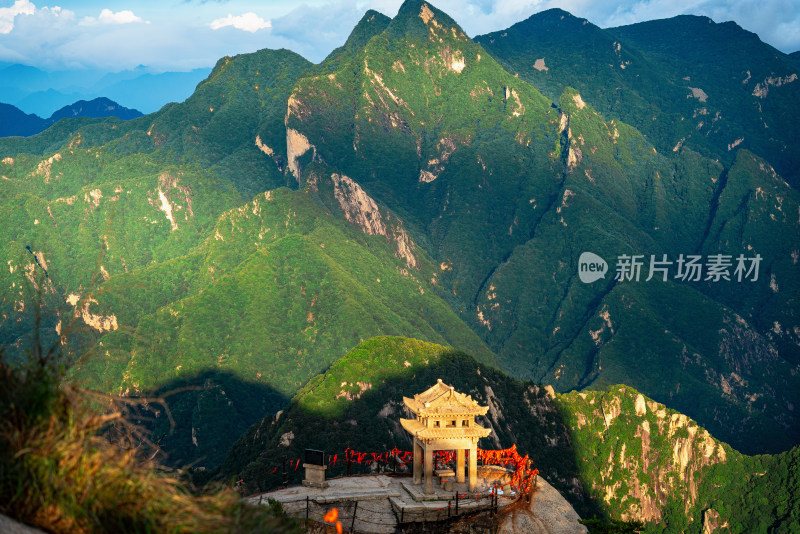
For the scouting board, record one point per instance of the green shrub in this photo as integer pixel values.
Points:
(57, 470)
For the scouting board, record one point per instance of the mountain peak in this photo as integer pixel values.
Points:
(554, 17)
(370, 25)
(553, 13)
(97, 108)
(371, 15)
(421, 19)
(552, 24)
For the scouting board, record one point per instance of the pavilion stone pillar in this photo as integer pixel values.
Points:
(428, 468)
(417, 462)
(473, 468)
(460, 465)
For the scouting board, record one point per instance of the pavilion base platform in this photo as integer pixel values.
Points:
(417, 491)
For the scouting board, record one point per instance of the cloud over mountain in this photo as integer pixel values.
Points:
(249, 22)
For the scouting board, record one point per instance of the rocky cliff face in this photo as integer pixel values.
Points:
(10, 526)
(642, 453)
(645, 462)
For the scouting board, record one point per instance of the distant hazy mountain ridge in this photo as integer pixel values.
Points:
(14, 122)
(42, 93)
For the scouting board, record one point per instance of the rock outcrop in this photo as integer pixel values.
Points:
(11, 526)
(548, 513)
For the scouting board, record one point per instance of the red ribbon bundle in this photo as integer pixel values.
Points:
(521, 479)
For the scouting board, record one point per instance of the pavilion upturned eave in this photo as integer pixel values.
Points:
(420, 431)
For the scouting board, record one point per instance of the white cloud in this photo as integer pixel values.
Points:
(8, 14)
(313, 31)
(109, 17)
(249, 22)
(121, 17)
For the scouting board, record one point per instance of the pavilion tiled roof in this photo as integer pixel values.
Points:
(443, 400)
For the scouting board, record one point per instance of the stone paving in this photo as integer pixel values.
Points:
(380, 502)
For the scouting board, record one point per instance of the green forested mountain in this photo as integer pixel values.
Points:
(280, 289)
(419, 183)
(276, 291)
(684, 81)
(646, 462)
(506, 190)
(229, 124)
(144, 227)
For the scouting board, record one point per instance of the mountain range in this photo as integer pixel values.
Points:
(42, 93)
(424, 184)
(680, 81)
(15, 122)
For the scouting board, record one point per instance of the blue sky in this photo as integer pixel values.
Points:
(185, 34)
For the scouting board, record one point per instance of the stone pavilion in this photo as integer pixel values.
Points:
(445, 420)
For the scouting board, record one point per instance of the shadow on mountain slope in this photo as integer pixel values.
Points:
(210, 409)
(358, 404)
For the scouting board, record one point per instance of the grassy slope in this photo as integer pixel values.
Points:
(58, 474)
(273, 297)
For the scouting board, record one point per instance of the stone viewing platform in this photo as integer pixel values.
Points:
(386, 501)
(382, 504)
